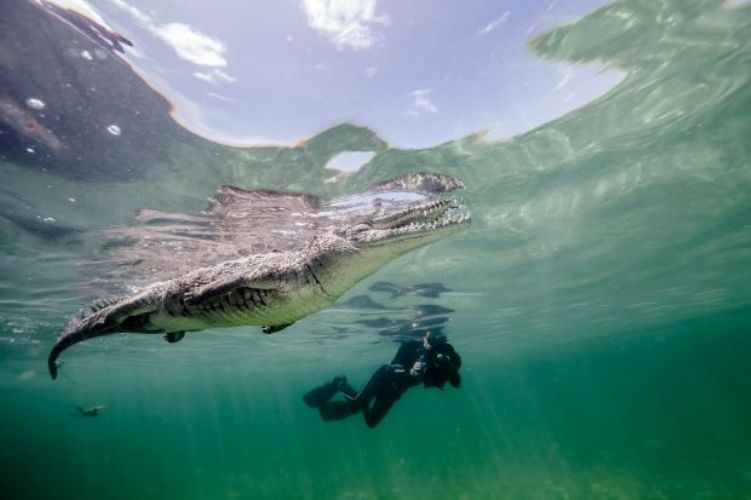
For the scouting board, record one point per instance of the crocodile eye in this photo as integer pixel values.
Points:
(356, 229)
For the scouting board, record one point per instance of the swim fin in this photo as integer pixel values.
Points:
(320, 395)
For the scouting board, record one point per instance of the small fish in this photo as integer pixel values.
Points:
(89, 411)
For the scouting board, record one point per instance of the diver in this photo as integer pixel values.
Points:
(430, 360)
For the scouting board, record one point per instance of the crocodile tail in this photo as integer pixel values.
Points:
(67, 339)
(102, 319)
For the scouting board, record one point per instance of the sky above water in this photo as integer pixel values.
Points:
(417, 72)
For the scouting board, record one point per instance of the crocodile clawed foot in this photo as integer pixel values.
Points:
(173, 337)
(269, 329)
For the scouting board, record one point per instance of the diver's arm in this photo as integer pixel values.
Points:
(418, 368)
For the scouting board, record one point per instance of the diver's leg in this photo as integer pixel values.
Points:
(374, 384)
(380, 407)
(381, 391)
(337, 410)
(347, 390)
(384, 399)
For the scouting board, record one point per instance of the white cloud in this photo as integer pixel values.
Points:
(221, 97)
(422, 102)
(494, 24)
(189, 43)
(136, 14)
(346, 23)
(215, 76)
(192, 45)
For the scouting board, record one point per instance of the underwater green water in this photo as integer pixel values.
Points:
(601, 304)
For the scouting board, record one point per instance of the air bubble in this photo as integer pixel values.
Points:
(114, 130)
(35, 103)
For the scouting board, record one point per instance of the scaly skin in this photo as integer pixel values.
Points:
(277, 288)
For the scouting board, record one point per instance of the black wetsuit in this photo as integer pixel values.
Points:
(388, 383)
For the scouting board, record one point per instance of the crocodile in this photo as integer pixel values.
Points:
(263, 257)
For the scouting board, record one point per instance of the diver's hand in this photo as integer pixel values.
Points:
(417, 369)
